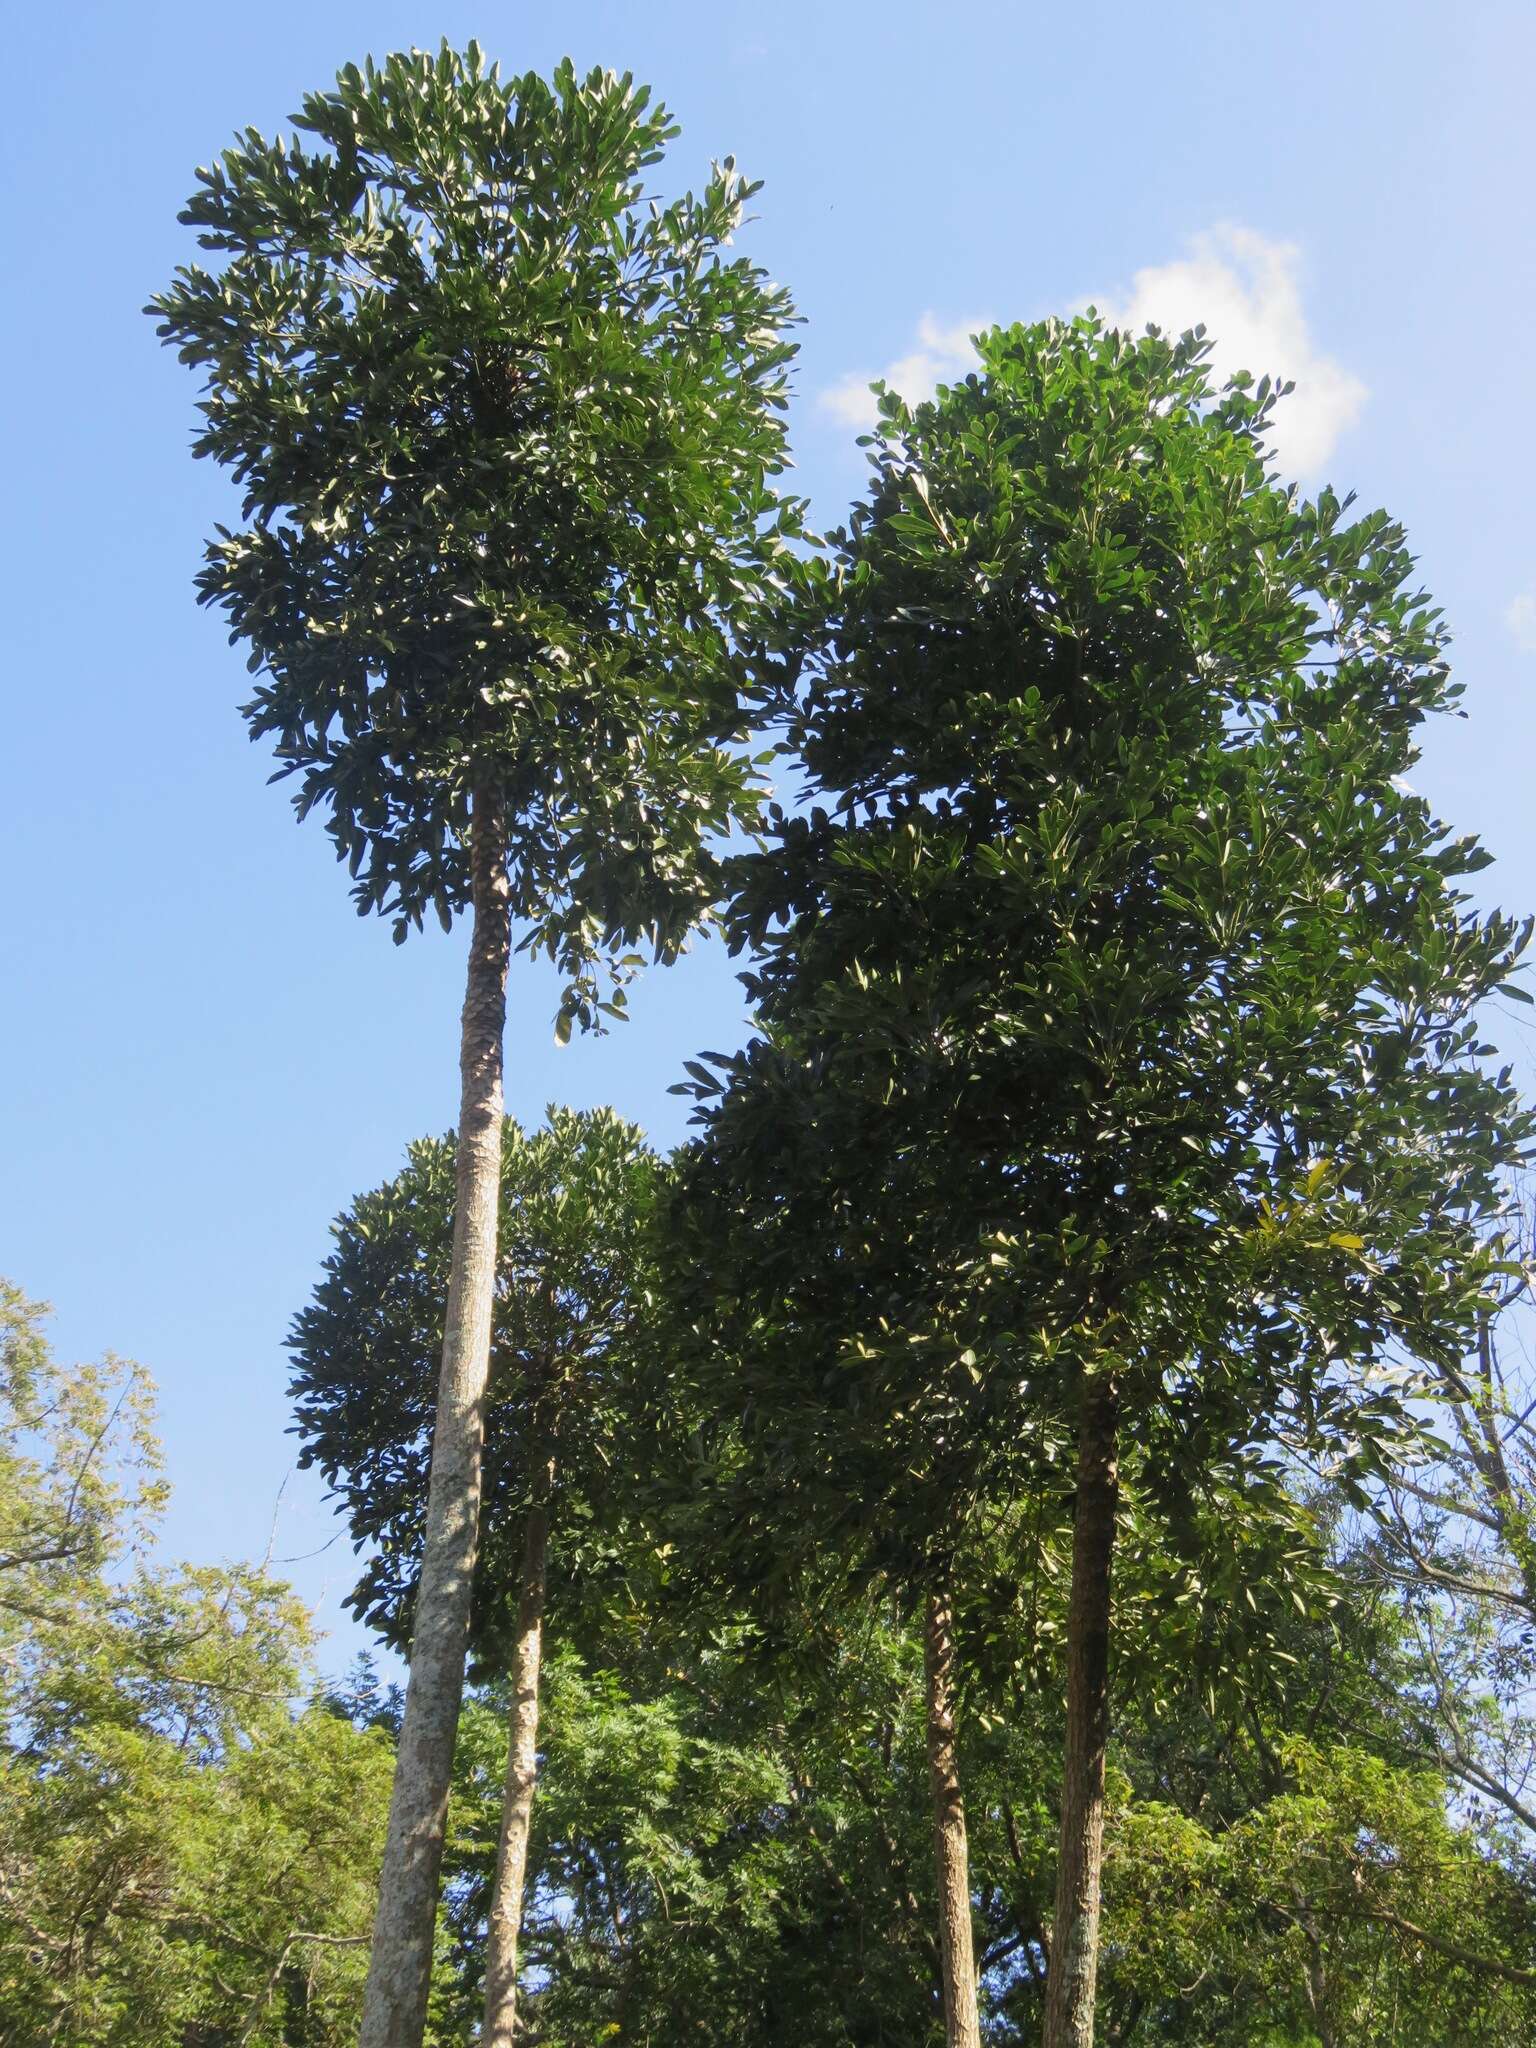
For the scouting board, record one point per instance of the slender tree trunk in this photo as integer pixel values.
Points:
(400, 1960)
(957, 1961)
(295, 1988)
(1073, 1978)
(506, 1916)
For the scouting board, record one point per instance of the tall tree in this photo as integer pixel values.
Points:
(570, 1283)
(1118, 1058)
(504, 430)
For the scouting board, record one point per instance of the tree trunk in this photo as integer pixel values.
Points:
(957, 1961)
(295, 1989)
(506, 1915)
(400, 1960)
(1074, 1968)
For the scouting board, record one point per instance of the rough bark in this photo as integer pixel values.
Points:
(506, 1914)
(400, 1960)
(957, 1961)
(1074, 1967)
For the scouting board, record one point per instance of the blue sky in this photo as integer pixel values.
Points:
(203, 1052)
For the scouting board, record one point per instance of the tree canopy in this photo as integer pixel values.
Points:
(189, 1838)
(1118, 1054)
(1005, 1582)
(504, 424)
(571, 1281)
(1113, 989)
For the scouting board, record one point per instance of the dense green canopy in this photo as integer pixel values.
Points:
(1118, 1063)
(503, 422)
(1116, 993)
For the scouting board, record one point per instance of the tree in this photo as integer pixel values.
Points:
(79, 1474)
(504, 430)
(570, 1278)
(1274, 1876)
(1118, 1057)
(732, 1832)
(188, 1851)
(731, 1841)
(1454, 1542)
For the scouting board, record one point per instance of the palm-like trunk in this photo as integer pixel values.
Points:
(1074, 1968)
(506, 1915)
(400, 1960)
(957, 1961)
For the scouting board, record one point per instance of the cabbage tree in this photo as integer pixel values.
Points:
(1119, 1070)
(504, 425)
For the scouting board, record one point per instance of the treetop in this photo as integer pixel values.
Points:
(505, 423)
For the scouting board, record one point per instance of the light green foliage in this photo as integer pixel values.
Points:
(1349, 1908)
(736, 1847)
(1275, 1846)
(79, 1474)
(185, 1855)
(1459, 1540)
(504, 423)
(718, 1856)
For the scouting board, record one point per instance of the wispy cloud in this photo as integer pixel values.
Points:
(1245, 288)
(1520, 617)
(1247, 291)
(942, 353)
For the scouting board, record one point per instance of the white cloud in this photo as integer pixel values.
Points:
(942, 354)
(1520, 617)
(1247, 291)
